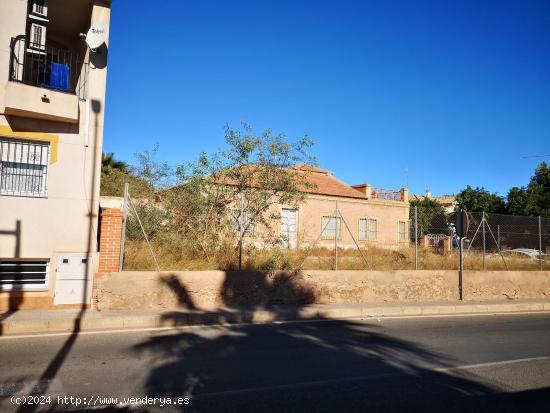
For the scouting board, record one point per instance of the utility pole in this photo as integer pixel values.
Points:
(336, 238)
(416, 237)
(241, 232)
(124, 218)
(483, 233)
(540, 243)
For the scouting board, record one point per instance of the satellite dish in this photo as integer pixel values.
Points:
(96, 36)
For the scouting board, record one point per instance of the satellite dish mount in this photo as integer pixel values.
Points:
(96, 37)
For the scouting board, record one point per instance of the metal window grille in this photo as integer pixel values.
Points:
(24, 168)
(35, 63)
(27, 274)
(329, 227)
(386, 194)
(39, 7)
(37, 40)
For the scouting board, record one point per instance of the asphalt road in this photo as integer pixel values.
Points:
(474, 363)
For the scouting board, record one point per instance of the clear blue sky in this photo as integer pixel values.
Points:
(457, 92)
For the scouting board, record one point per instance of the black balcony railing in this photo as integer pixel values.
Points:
(47, 67)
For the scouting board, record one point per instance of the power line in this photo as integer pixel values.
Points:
(534, 156)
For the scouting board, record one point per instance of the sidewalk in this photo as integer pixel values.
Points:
(57, 321)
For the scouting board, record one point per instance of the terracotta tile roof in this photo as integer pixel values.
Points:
(324, 183)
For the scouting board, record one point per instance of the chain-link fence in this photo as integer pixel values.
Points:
(494, 241)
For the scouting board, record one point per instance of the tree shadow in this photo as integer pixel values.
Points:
(16, 297)
(306, 365)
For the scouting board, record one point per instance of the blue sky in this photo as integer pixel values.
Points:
(457, 92)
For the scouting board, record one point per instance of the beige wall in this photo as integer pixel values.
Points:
(311, 211)
(215, 289)
(66, 220)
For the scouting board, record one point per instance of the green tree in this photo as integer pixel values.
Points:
(516, 201)
(479, 199)
(253, 174)
(431, 215)
(110, 164)
(538, 192)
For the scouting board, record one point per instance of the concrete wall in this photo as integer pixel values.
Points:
(66, 220)
(214, 289)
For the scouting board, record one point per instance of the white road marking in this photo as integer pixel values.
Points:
(278, 322)
(357, 378)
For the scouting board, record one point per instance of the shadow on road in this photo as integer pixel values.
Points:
(308, 366)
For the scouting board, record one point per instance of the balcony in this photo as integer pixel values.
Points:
(45, 82)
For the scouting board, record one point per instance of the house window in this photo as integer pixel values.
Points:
(331, 226)
(23, 168)
(24, 274)
(402, 231)
(245, 221)
(368, 229)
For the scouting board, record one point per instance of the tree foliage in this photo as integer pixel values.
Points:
(534, 199)
(236, 188)
(479, 199)
(430, 213)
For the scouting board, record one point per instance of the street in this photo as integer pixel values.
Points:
(461, 363)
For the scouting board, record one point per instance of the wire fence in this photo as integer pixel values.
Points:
(493, 242)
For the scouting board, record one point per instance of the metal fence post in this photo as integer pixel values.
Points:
(336, 238)
(498, 236)
(483, 232)
(124, 218)
(241, 232)
(540, 243)
(416, 237)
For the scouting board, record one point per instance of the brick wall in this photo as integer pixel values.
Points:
(109, 240)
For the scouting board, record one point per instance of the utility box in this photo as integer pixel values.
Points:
(73, 279)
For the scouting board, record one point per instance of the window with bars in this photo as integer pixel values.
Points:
(331, 226)
(23, 168)
(40, 7)
(368, 229)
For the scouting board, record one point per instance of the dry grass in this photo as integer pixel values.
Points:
(137, 257)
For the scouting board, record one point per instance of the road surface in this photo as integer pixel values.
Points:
(469, 363)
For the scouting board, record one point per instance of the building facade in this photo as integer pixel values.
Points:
(334, 212)
(52, 104)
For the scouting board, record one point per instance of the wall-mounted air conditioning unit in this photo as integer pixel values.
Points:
(37, 40)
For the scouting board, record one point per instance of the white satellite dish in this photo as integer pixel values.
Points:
(96, 36)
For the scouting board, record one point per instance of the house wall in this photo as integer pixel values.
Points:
(311, 211)
(66, 220)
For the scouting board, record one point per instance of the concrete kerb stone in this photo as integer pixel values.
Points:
(105, 321)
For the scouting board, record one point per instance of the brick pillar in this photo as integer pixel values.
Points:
(447, 245)
(110, 239)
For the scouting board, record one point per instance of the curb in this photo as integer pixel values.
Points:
(106, 321)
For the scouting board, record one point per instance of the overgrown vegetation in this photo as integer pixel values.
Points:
(197, 211)
(138, 258)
